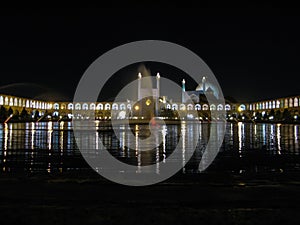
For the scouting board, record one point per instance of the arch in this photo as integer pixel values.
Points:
(43, 105)
(107, 106)
(182, 107)
(32, 104)
(15, 102)
(270, 105)
(85, 106)
(129, 106)
(77, 106)
(227, 107)
(20, 102)
(296, 103)
(63, 106)
(198, 107)
(122, 106)
(70, 106)
(1, 100)
(168, 106)
(242, 107)
(99, 106)
(11, 102)
(274, 105)
(115, 106)
(190, 107)
(56, 106)
(6, 101)
(174, 106)
(55, 113)
(92, 106)
(277, 104)
(286, 103)
(212, 107)
(205, 107)
(291, 103)
(220, 107)
(27, 103)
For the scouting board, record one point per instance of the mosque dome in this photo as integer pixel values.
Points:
(208, 87)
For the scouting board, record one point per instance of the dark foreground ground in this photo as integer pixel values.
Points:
(209, 198)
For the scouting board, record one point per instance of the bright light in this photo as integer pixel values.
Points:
(148, 102)
(190, 116)
(137, 107)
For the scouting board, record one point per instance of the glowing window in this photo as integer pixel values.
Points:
(189, 107)
(220, 107)
(70, 106)
(92, 106)
(114, 106)
(56, 106)
(107, 106)
(296, 102)
(175, 107)
(78, 106)
(227, 107)
(85, 106)
(1, 100)
(122, 106)
(168, 106)
(291, 103)
(205, 107)
(197, 107)
(212, 107)
(6, 101)
(182, 107)
(100, 106)
(11, 103)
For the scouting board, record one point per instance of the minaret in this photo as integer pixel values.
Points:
(203, 84)
(183, 91)
(157, 93)
(139, 86)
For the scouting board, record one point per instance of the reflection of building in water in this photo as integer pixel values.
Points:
(155, 105)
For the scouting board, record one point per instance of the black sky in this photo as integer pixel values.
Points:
(253, 52)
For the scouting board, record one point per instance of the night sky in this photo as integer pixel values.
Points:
(253, 52)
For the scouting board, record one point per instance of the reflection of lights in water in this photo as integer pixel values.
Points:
(10, 136)
(296, 133)
(5, 137)
(164, 133)
(32, 134)
(61, 125)
(183, 133)
(264, 133)
(137, 153)
(240, 135)
(49, 134)
(278, 139)
(97, 141)
(157, 153)
(61, 142)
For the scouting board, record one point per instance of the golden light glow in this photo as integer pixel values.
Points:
(136, 107)
(148, 102)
